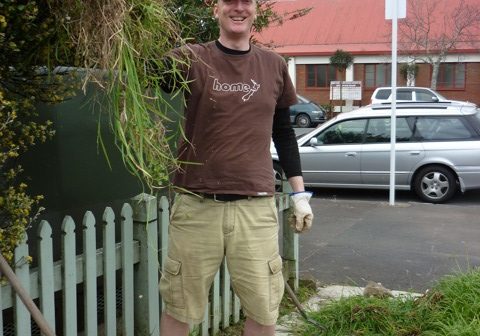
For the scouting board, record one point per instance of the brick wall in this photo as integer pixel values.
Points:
(322, 95)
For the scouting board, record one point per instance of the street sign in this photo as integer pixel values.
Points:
(345, 90)
(401, 11)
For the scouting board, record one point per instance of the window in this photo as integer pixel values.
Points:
(451, 128)
(425, 95)
(451, 76)
(404, 94)
(320, 75)
(378, 130)
(377, 75)
(383, 94)
(345, 132)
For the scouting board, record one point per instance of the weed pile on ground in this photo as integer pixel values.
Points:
(450, 308)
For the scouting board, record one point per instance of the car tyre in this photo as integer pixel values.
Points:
(435, 184)
(303, 121)
(279, 176)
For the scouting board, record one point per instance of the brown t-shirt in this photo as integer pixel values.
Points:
(228, 120)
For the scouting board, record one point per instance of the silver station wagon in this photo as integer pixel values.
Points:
(437, 150)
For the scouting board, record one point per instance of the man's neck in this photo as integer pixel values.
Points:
(230, 51)
(242, 44)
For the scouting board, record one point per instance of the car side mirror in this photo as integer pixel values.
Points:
(435, 99)
(314, 142)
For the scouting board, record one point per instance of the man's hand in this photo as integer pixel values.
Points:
(302, 212)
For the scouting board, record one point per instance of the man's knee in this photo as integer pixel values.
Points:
(170, 326)
(253, 328)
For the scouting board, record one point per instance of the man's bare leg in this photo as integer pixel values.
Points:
(170, 326)
(253, 328)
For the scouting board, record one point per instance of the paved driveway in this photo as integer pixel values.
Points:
(406, 246)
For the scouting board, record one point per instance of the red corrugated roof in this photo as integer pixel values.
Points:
(357, 26)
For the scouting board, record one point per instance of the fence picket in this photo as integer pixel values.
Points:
(90, 274)
(109, 284)
(46, 278)
(206, 322)
(69, 278)
(226, 295)
(127, 267)
(216, 311)
(236, 308)
(22, 316)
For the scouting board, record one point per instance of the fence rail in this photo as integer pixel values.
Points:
(113, 289)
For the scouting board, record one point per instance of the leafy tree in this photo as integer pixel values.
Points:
(341, 60)
(26, 32)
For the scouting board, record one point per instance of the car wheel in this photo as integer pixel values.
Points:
(435, 184)
(278, 176)
(303, 120)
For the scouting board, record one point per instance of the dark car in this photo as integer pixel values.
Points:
(306, 113)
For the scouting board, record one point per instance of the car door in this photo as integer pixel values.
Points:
(332, 157)
(375, 155)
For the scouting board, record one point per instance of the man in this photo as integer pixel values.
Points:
(238, 93)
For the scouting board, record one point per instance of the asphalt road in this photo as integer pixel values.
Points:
(357, 236)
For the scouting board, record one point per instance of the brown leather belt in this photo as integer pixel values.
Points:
(225, 197)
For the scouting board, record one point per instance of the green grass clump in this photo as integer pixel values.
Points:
(451, 308)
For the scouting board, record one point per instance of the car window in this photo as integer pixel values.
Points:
(442, 128)
(424, 95)
(345, 132)
(404, 94)
(383, 94)
(378, 130)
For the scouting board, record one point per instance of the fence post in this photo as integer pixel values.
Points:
(146, 300)
(163, 222)
(290, 239)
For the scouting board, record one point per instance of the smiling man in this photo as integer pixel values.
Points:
(238, 100)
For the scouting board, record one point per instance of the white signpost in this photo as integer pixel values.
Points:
(346, 90)
(394, 9)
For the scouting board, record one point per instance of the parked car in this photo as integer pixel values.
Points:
(410, 94)
(306, 113)
(437, 150)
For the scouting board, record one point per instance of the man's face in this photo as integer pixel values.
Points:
(235, 17)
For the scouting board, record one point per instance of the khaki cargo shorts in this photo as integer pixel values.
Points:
(203, 231)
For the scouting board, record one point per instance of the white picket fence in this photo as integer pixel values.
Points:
(118, 280)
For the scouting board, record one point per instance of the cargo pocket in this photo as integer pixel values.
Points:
(171, 283)
(276, 282)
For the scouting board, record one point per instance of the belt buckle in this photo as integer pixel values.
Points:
(229, 197)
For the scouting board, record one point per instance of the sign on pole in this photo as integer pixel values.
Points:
(346, 90)
(401, 9)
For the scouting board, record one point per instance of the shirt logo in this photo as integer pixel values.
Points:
(249, 89)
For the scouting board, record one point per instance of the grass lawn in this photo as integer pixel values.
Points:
(451, 308)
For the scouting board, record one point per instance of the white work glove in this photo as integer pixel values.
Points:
(302, 216)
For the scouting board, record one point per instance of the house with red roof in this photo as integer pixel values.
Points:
(360, 28)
